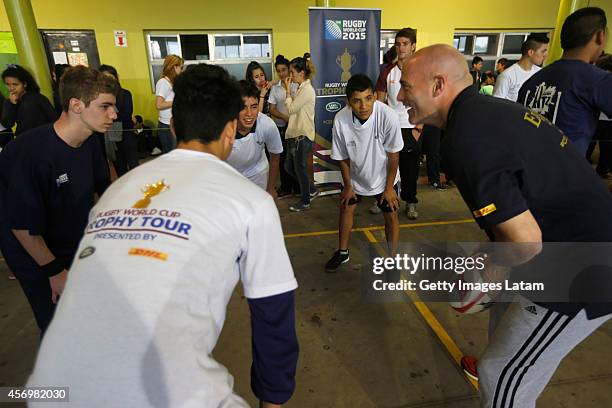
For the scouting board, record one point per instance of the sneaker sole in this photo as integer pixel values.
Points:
(338, 267)
(470, 375)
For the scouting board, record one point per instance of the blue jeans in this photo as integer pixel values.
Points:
(296, 164)
(166, 138)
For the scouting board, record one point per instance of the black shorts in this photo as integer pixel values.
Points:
(383, 206)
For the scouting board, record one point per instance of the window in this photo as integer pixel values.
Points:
(194, 47)
(227, 46)
(256, 46)
(491, 46)
(464, 43)
(513, 43)
(231, 50)
(387, 41)
(485, 44)
(162, 46)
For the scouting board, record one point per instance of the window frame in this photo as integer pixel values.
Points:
(147, 34)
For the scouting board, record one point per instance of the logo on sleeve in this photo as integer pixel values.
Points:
(149, 191)
(161, 256)
(484, 211)
(62, 179)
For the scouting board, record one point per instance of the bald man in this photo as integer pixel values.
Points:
(520, 178)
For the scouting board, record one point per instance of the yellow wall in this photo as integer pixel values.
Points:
(288, 20)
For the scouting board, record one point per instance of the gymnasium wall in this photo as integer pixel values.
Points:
(435, 21)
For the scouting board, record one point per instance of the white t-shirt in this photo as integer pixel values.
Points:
(277, 97)
(393, 88)
(366, 146)
(248, 155)
(509, 82)
(147, 293)
(163, 88)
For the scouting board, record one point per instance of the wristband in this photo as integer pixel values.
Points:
(53, 268)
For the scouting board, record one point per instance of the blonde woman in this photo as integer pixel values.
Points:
(164, 95)
(300, 131)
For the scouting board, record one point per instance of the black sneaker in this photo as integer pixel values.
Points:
(336, 260)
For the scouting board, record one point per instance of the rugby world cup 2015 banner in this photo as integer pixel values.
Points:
(343, 42)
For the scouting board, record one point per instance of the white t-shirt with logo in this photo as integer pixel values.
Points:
(163, 88)
(508, 83)
(147, 293)
(277, 97)
(366, 146)
(393, 88)
(248, 155)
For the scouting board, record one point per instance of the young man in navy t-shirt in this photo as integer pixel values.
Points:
(571, 92)
(48, 178)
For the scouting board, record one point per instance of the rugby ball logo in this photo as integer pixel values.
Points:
(333, 30)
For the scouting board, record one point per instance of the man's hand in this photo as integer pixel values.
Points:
(346, 195)
(57, 285)
(390, 196)
(263, 404)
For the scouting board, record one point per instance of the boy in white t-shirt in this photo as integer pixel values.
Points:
(255, 133)
(166, 244)
(534, 51)
(366, 141)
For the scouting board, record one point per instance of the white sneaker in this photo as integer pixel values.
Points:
(155, 152)
(411, 211)
(375, 209)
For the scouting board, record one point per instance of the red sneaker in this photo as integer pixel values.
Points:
(470, 367)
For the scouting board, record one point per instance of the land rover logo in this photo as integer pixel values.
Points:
(333, 107)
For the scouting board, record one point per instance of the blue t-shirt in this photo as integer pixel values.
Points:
(47, 187)
(571, 94)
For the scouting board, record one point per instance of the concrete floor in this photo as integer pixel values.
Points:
(355, 353)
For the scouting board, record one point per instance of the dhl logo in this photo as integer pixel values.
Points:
(148, 253)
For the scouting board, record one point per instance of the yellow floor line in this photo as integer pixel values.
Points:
(429, 317)
(380, 227)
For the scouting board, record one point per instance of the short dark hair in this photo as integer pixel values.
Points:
(247, 90)
(580, 26)
(477, 60)
(253, 65)
(533, 42)
(390, 55)
(281, 60)
(58, 70)
(303, 64)
(23, 75)
(407, 32)
(206, 99)
(138, 118)
(358, 83)
(605, 62)
(111, 70)
(85, 84)
(503, 62)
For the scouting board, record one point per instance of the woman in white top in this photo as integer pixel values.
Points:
(300, 131)
(164, 95)
(278, 111)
